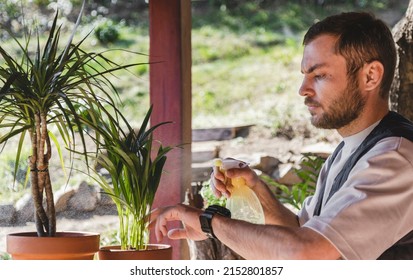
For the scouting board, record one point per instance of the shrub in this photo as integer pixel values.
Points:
(297, 193)
(107, 32)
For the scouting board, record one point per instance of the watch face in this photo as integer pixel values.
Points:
(205, 221)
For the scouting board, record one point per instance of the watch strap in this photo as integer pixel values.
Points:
(205, 218)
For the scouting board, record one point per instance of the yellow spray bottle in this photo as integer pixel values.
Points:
(243, 202)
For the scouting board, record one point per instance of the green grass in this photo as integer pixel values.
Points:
(244, 90)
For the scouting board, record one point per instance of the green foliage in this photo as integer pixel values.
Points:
(107, 32)
(14, 176)
(110, 238)
(135, 166)
(9, 10)
(4, 256)
(142, 69)
(209, 197)
(296, 194)
(43, 3)
(251, 15)
(212, 49)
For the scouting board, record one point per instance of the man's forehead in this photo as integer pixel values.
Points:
(306, 69)
(319, 53)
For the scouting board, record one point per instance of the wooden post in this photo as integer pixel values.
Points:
(170, 94)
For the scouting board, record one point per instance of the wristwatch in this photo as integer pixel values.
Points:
(206, 218)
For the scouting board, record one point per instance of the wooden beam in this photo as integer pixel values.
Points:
(170, 94)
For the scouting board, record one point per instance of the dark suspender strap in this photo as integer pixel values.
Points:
(330, 161)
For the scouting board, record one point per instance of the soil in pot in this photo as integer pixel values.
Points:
(64, 246)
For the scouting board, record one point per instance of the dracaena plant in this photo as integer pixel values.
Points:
(61, 86)
(135, 164)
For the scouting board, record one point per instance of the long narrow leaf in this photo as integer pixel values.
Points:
(59, 151)
(18, 155)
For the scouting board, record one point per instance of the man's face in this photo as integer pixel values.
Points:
(333, 99)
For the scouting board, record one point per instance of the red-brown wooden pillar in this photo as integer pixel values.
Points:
(170, 94)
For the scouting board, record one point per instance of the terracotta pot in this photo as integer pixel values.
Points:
(64, 246)
(153, 252)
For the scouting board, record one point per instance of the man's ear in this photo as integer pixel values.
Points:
(372, 75)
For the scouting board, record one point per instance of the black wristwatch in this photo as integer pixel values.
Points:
(206, 218)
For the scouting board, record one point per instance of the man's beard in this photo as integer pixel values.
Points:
(342, 111)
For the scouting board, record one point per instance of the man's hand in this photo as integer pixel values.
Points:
(189, 217)
(220, 185)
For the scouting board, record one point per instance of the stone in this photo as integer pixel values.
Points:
(268, 164)
(7, 213)
(105, 205)
(62, 197)
(320, 149)
(105, 199)
(85, 198)
(25, 209)
(286, 175)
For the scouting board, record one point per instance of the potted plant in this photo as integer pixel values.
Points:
(63, 87)
(135, 164)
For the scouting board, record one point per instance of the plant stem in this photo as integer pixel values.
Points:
(40, 177)
(40, 215)
(47, 183)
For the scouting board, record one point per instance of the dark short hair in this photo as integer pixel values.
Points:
(362, 38)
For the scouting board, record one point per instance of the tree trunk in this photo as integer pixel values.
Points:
(40, 178)
(401, 93)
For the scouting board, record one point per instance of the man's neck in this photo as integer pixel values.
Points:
(366, 119)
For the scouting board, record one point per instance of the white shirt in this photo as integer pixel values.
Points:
(374, 207)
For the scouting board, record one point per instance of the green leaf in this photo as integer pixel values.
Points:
(18, 155)
(59, 151)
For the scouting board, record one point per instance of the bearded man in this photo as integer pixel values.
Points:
(362, 207)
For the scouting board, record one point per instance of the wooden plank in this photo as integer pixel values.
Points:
(220, 133)
(201, 171)
(208, 134)
(202, 156)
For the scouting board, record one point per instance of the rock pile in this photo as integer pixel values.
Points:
(71, 202)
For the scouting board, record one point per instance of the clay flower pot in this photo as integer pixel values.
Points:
(152, 252)
(64, 246)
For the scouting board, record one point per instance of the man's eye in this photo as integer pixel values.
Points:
(319, 77)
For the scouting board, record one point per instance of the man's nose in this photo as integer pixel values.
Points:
(306, 88)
